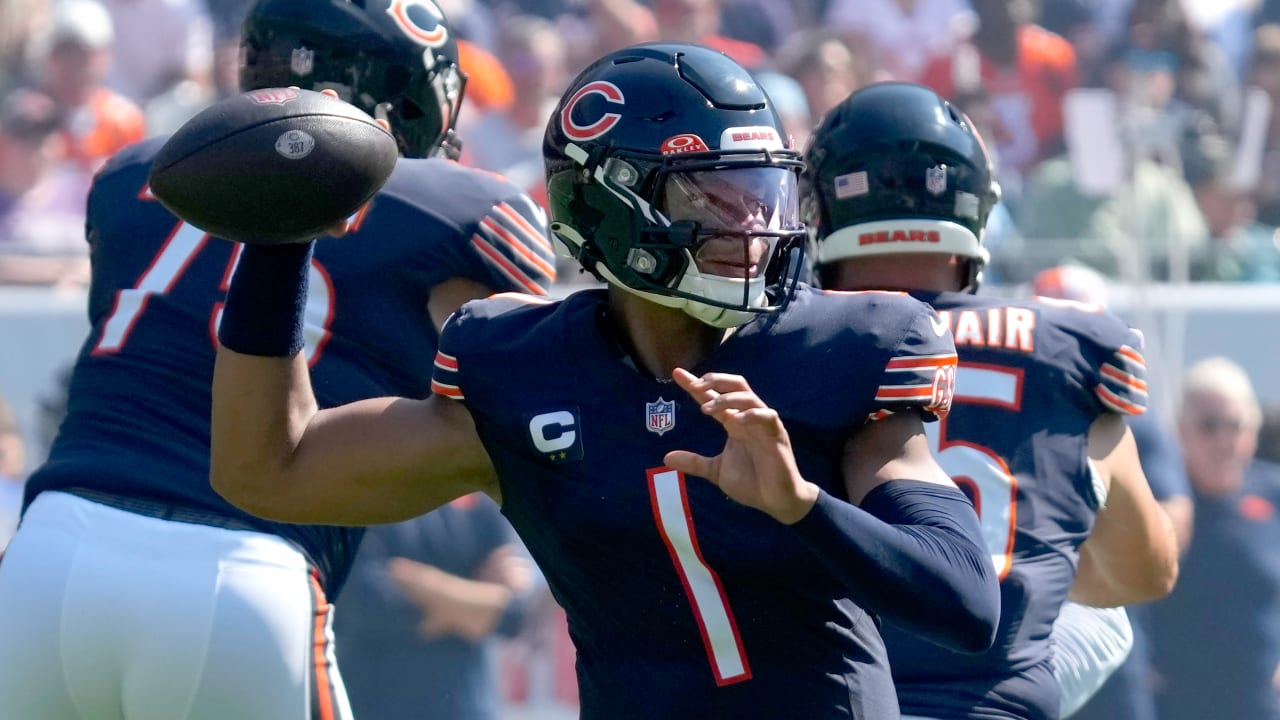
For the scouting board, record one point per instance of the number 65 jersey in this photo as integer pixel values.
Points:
(1033, 375)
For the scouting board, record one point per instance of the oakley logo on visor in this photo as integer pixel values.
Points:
(603, 122)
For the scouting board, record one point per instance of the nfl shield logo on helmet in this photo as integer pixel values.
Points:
(302, 61)
(660, 416)
(935, 179)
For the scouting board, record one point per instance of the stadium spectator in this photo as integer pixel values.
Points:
(1215, 638)
(489, 85)
(1264, 73)
(668, 562)
(1021, 71)
(1160, 38)
(699, 21)
(41, 200)
(13, 472)
(71, 59)
(1239, 249)
(899, 186)
(226, 17)
(793, 107)
(158, 45)
(1140, 229)
(19, 21)
(1083, 24)
(765, 23)
(131, 590)
(427, 600)
(509, 140)
(902, 36)
(824, 66)
(606, 25)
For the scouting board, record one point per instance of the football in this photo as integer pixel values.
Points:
(271, 166)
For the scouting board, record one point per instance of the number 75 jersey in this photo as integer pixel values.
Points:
(138, 418)
(1032, 376)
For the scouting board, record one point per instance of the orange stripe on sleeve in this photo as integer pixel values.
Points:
(1123, 378)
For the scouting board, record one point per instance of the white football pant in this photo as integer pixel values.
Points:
(111, 614)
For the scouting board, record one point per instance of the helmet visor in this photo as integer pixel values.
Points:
(733, 200)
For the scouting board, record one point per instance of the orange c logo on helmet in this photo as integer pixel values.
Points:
(420, 20)
(604, 124)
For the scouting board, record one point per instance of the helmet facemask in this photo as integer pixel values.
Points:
(690, 209)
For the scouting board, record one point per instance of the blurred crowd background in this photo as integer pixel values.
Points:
(1134, 136)
(1139, 139)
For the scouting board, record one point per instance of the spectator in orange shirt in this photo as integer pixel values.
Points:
(1020, 71)
(698, 21)
(71, 62)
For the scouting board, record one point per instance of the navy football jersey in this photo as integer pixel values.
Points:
(682, 603)
(137, 422)
(1033, 376)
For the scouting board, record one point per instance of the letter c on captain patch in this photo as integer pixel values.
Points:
(555, 435)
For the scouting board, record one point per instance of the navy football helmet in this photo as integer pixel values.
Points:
(894, 168)
(394, 59)
(654, 150)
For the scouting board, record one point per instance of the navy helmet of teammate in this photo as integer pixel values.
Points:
(154, 591)
(394, 59)
(898, 187)
(668, 176)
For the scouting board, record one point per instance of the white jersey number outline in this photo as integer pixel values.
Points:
(706, 595)
(180, 249)
(979, 469)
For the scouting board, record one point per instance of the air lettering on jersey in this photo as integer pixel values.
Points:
(1011, 328)
(554, 435)
(896, 236)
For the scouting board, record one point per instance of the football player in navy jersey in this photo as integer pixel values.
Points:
(898, 186)
(132, 589)
(725, 481)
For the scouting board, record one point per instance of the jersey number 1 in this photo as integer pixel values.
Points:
(706, 596)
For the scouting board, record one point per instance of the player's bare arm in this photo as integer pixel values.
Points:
(1132, 554)
(891, 448)
(276, 455)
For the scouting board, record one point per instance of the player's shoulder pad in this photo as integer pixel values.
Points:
(456, 185)
(500, 319)
(883, 318)
(479, 337)
(498, 222)
(897, 339)
(1111, 349)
